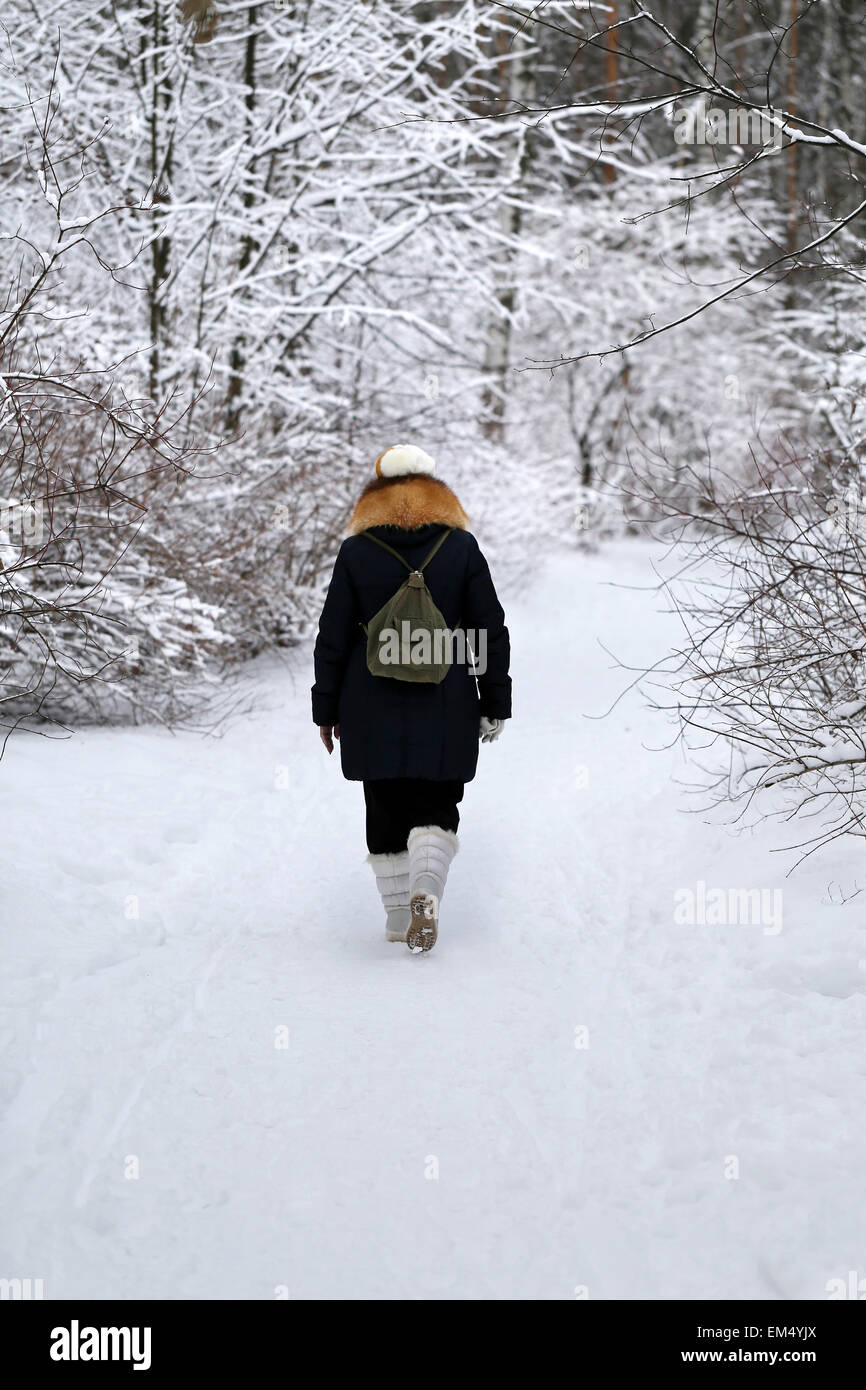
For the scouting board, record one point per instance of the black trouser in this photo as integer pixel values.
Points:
(395, 805)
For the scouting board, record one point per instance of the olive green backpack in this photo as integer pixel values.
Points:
(413, 652)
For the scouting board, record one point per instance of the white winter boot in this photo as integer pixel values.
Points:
(431, 850)
(392, 880)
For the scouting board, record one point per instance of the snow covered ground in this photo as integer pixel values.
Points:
(558, 1099)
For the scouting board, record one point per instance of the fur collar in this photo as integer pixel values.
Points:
(408, 502)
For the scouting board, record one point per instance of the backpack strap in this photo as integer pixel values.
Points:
(445, 534)
(411, 568)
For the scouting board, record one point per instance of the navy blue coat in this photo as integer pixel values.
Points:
(392, 728)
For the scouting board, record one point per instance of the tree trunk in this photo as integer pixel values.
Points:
(611, 76)
(792, 197)
(237, 357)
(516, 86)
(160, 173)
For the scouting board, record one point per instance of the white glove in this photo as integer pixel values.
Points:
(490, 729)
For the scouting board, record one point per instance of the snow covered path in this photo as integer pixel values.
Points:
(160, 1141)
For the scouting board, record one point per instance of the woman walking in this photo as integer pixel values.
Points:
(409, 719)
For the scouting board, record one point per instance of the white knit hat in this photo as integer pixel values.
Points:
(402, 459)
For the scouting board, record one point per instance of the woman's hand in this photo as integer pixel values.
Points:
(490, 729)
(325, 732)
